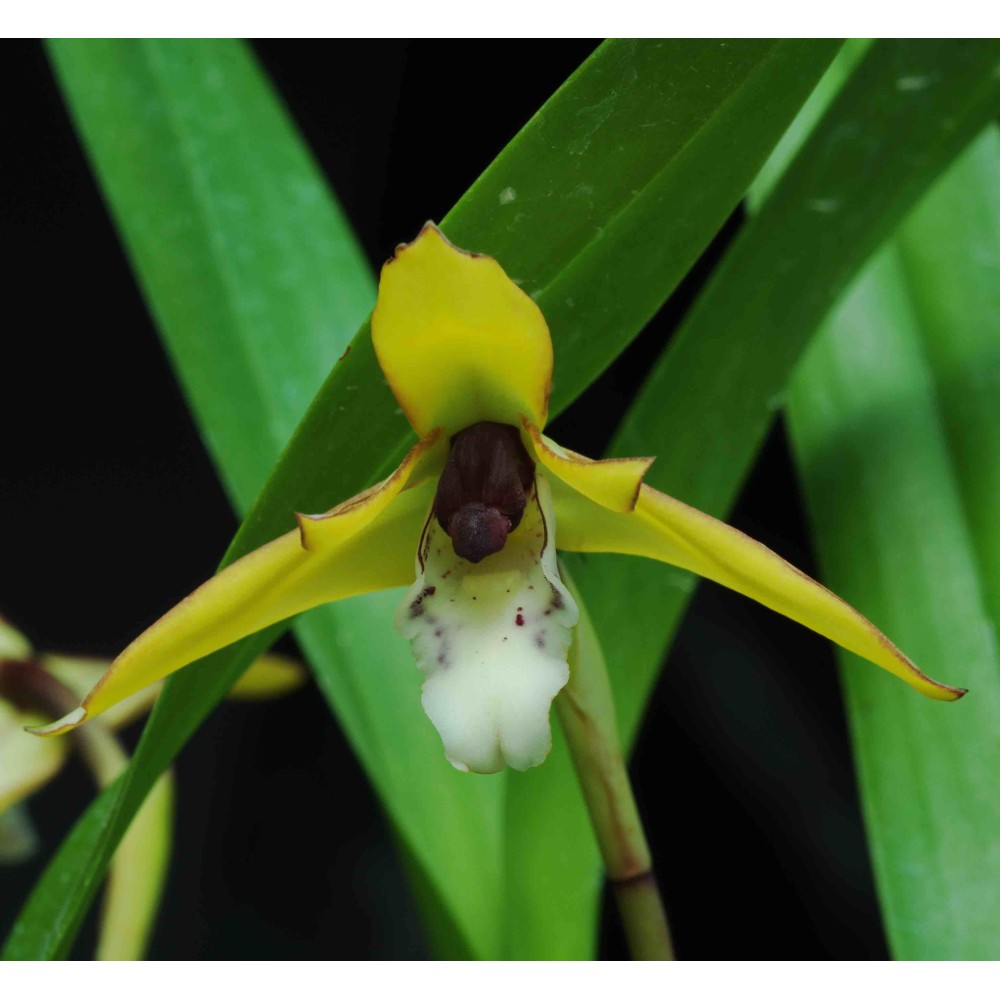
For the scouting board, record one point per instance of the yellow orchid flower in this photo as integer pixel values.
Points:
(482, 501)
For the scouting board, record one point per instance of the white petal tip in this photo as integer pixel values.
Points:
(458, 765)
(60, 726)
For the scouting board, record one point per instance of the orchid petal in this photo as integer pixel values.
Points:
(13, 645)
(612, 482)
(457, 340)
(492, 639)
(326, 532)
(27, 764)
(80, 673)
(665, 529)
(276, 581)
(269, 676)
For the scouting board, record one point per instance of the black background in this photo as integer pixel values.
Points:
(110, 511)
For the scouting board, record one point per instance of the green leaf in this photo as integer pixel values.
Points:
(950, 247)
(246, 261)
(598, 207)
(710, 399)
(894, 423)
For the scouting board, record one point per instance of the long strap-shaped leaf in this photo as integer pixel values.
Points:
(894, 419)
(708, 403)
(842, 196)
(645, 138)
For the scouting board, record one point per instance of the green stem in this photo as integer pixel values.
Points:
(587, 713)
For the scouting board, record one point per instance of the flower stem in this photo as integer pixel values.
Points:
(586, 711)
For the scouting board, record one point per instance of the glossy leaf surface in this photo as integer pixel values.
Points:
(708, 403)
(894, 420)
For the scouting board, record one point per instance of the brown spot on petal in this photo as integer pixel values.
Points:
(417, 605)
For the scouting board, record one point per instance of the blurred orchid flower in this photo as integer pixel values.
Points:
(35, 685)
(482, 501)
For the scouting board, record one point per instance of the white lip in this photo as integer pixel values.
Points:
(492, 639)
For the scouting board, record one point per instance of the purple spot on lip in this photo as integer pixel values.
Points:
(417, 606)
(519, 620)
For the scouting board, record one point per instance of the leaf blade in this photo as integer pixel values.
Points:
(637, 606)
(895, 395)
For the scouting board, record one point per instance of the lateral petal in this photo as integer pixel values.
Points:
(665, 529)
(611, 482)
(326, 532)
(457, 340)
(276, 581)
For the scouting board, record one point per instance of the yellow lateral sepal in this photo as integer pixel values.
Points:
(325, 532)
(275, 582)
(665, 529)
(613, 482)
